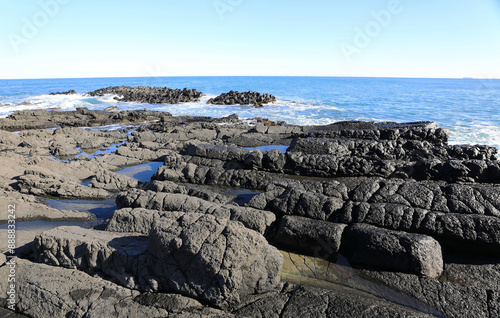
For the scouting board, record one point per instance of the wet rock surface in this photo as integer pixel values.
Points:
(418, 219)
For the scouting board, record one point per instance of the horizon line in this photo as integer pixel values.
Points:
(320, 76)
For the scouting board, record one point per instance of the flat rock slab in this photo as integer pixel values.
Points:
(400, 251)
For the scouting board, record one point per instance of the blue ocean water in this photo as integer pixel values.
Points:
(469, 108)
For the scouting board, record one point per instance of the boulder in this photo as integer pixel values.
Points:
(315, 200)
(198, 174)
(399, 251)
(215, 260)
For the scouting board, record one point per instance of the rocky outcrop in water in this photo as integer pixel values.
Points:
(70, 92)
(244, 98)
(150, 95)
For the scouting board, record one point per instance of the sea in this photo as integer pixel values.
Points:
(469, 108)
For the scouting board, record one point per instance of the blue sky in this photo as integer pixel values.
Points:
(394, 38)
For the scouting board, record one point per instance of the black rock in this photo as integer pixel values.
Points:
(245, 98)
(150, 95)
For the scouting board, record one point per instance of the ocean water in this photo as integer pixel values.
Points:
(469, 108)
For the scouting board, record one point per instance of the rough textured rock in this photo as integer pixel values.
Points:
(315, 200)
(454, 300)
(400, 251)
(118, 255)
(189, 189)
(111, 181)
(470, 233)
(258, 220)
(44, 291)
(215, 260)
(400, 149)
(143, 154)
(315, 302)
(424, 131)
(70, 92)
(150, 95)
(40, 181)
(433, 196)
(82, 117)
(309, 237)
(196, 174)
(245, 98)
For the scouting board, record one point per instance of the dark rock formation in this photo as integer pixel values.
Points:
(309, 237)
(245, 98)
(215, 260)
(314, 302)
(214, 176)
(461, 300)
(400, 149)
(472, 233)
(48, 291)
(150, 95)
(258, 220)
(82, 117)
(423, 131)
(70, 92)
(399, 251)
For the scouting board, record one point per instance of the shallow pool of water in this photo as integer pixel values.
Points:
(141, 173)
(280, 148)
(243, 195)
(102, 209)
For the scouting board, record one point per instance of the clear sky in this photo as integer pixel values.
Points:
(114, 38)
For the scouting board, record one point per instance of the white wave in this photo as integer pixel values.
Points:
(59, 102)
(477, 133)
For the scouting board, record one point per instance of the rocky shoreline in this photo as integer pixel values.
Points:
(354, 219)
